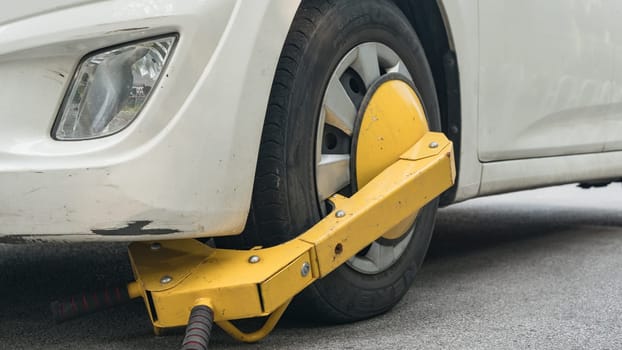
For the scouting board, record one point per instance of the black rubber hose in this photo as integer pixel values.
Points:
(199, 328)
(88, 303)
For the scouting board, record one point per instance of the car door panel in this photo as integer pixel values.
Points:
(546, 78)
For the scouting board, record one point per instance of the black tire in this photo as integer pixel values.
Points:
(285, 201)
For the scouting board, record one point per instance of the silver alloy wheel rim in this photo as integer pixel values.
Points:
(364, 64)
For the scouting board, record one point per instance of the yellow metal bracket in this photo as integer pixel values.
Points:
(174, 276)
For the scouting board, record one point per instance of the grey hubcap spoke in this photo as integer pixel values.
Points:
(367, 64)
(339, 108)
(333, 174)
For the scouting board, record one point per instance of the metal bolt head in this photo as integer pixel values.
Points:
(166, 279)
(434, 145)
(254, 259)
(156, 246)
(340, 214)
(306, 268)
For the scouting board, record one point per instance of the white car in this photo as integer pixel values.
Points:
(126, 120)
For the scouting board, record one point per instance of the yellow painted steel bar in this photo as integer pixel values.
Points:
(174, 276)
(256, 336)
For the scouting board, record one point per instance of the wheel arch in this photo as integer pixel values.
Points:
(428, 19)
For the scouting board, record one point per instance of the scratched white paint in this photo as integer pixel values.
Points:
(186, 163)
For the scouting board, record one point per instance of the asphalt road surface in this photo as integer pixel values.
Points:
(532, 270)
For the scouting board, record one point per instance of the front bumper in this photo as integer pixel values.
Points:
(184, 168)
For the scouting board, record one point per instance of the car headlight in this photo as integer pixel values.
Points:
(110, 88)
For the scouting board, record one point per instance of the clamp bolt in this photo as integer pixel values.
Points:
(306, 268)
(434, 145)
(254, 259)
(340, 214)
(166, 279)
(156, 246)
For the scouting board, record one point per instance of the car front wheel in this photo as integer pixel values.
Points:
(334, 53)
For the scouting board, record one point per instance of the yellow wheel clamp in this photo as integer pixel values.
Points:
(186, 282)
